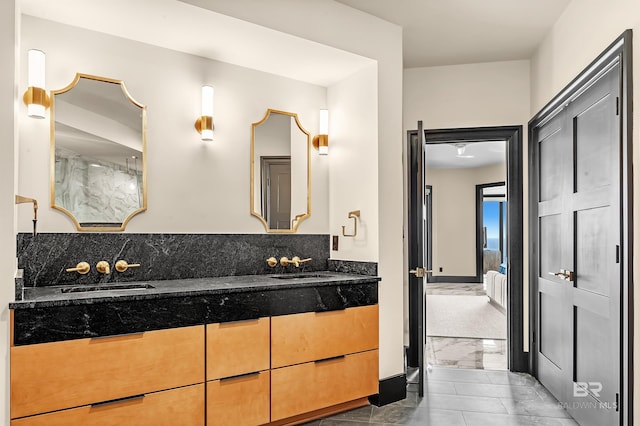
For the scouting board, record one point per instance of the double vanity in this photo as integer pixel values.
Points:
(237, 350)
(182, 329)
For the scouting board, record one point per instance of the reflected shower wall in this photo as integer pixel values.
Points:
(97, 191)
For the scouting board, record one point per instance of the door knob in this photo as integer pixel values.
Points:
(564, 274)
(420, 272)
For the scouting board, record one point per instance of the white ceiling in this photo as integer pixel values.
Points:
(199, 31)
(451, 32)
(476, 154)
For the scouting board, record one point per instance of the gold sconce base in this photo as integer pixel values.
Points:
(36, 95)
(204, 123)
(320, 140)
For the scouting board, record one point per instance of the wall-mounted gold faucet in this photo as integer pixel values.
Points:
(295, 260)
(103, 267)
(21, 200)
(81, 268)
(272, 262)
(123, 265)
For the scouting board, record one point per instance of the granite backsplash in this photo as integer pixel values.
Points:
(46, 257)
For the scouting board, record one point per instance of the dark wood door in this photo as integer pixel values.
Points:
(579, 235)
(276, 172)
(417, 254)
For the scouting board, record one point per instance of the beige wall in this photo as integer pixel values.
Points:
(365, 35)
(193, 186)
(473, 95)
(9, 28)
(370, 103)
(454, 216)
(584, 30)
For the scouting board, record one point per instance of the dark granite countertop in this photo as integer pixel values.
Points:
(52, 296)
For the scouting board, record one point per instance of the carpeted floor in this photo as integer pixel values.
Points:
(464, 316)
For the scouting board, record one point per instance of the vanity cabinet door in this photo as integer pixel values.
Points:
(183, 406)
(54, 376)
(311, 336)
(235, 348)
(239, 401)
(316, 385)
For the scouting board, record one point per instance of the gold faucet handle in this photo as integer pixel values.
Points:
(81, 268)
(297, 261)
(272, 262)
(103, 267)
(284, 261)
(122, 265)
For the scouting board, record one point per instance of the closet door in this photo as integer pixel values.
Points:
(579, 270)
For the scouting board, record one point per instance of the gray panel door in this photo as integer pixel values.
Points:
(579, 277)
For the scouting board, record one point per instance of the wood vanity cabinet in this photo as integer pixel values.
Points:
(182, 406)
(60, 375)
(238, 377)
(272, 370)
(322, 359)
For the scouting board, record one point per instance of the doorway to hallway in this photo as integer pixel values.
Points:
(512, 137)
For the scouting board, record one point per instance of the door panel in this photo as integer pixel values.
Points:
(578, 350)
(550, 248)
(417, 227)
(592, 158)
(550, 165)
(592, 256)
(591, 365)
(551, 336)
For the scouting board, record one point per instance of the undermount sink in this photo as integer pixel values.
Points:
(103, 287)
(303, 275)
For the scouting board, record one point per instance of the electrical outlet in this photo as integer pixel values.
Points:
(441, 269)
(334, 244)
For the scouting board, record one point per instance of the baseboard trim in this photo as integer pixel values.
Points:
(390, 390)
(453, 279)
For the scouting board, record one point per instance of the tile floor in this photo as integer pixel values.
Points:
(468, 385)
(464, 397)
(455, 352)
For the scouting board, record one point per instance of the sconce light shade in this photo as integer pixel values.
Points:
(204, 124)
(321, 141)
(36, 97)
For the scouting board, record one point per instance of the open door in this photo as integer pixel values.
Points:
(417, 253)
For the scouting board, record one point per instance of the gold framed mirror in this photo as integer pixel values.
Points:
(98, 153)
(280, 171)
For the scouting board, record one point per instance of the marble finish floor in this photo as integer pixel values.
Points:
(456, 352)
(464, 397)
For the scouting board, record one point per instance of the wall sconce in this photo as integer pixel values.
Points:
(321, 141)
(204, 124)
(36, 97)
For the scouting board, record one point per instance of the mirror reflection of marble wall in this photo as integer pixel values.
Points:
(97, 191)
(98, 142)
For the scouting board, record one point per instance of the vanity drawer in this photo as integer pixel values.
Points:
(239, 347)
(239, 401)
(310, 336)
(183, 406)
(311, 386)
(53, 376)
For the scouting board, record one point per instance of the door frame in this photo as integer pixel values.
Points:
(621, 48)
(512, 135)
